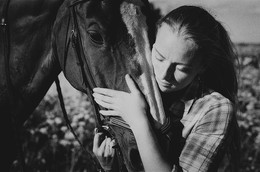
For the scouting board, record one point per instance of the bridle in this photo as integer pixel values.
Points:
(73, 37)
(88, 80)
(104, 124)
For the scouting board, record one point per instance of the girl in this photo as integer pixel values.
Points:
(193, 62)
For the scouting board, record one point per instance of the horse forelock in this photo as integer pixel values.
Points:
(136, 24)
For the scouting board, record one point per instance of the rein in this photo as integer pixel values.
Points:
(88, 79)
(90, 155)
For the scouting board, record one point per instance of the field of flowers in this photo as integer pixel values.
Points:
(49, 145)
(249, 106)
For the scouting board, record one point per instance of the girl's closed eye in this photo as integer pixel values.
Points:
(184, 68)
(158, 55)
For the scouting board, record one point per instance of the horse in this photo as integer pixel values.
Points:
(94, 43)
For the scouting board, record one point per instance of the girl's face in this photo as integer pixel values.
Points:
(173, 60)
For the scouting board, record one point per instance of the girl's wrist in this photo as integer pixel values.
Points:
(140, 125)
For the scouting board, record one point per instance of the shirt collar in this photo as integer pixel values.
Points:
(186, 96)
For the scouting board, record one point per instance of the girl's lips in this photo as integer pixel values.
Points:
(164, 84)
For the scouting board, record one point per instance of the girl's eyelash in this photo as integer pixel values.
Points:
(184, 69)
(159, 58)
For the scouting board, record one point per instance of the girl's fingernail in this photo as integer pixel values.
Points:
(115, 145)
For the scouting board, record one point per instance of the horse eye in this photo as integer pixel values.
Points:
(95, 37)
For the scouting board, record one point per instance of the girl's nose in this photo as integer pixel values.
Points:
(167, 71)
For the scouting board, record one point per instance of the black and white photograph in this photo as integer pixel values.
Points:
(130, 85)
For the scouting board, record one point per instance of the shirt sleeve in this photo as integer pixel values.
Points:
(207, 138)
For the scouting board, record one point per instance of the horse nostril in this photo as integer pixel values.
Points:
(135, 159)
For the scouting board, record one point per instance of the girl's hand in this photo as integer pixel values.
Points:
(103, 150)
(131, 106)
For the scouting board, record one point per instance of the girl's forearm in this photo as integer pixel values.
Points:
(150, 151)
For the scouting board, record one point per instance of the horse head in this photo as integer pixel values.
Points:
(95, 42)
(98, 42)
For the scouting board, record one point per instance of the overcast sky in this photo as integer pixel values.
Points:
(241, 18)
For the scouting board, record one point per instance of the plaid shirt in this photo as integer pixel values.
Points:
(209, 127)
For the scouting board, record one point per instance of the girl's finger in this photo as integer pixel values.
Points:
(131, 84)
(104, 104)
(96, 141)
(101, 148)
(106, 91)
(104, 98)
(107, 147)
(111, 146)
(109, 113)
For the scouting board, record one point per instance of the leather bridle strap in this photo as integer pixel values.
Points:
(4, 26)
(6, 43)
(88, 78)
(5, 13)
(89, 154)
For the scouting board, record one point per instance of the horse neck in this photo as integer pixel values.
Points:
(32, 66)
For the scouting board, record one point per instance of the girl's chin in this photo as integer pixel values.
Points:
(171, 88)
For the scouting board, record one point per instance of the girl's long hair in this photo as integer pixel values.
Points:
(216, 52)
(214, 47)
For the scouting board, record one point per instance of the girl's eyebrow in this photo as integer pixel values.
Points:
(187, 65)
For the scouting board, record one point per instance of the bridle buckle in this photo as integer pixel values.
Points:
(3, 23)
